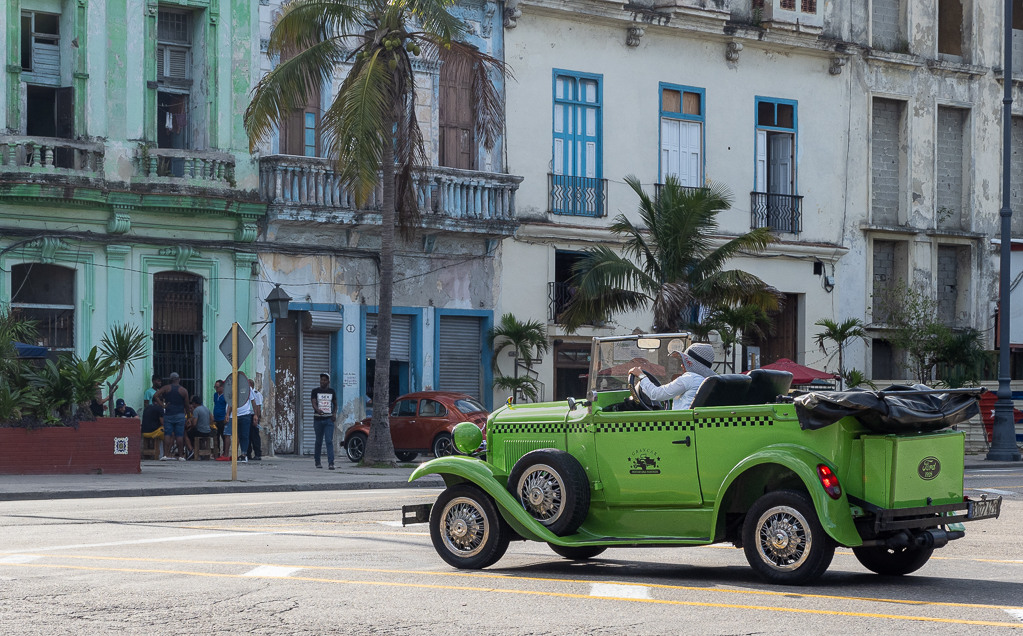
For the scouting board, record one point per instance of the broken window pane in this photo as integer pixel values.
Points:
(950, 27)
(786, 116)
(26, 43)
(47, 23)
(765, 114)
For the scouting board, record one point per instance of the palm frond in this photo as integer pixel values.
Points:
(736, 287)
(409, 149)
(435, 17)
(288, 85)
(357, 123)
(754, 242)
(304, 23)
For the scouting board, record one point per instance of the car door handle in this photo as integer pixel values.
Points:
(686, 441)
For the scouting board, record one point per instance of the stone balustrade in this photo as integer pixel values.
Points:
(450, 192)
(43, 155)
(208, 167)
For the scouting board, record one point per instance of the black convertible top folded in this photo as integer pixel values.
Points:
(896, 409)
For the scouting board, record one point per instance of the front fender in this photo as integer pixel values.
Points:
(834, 514)
(457, 469)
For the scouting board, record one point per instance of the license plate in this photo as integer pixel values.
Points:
(984, 508)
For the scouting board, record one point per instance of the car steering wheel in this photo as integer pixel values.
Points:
(640, 396)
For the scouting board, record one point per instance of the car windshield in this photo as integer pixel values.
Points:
(615, 356)
(469, 406)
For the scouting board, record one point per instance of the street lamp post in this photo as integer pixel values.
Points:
(1003, 442)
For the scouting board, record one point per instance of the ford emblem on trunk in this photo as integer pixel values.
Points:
(929, 468)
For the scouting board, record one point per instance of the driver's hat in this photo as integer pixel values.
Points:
(699, 358)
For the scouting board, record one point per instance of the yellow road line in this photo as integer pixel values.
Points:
(762, 608)
(512, 577)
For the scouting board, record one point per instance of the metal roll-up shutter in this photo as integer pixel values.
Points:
(328, 321)
(460, 355)
(401, 337)
(315, 360)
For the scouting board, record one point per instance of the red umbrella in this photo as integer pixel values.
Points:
(800, 374)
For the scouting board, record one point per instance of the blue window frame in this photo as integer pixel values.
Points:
(682, 111)
(577, 124)
(777, 123)
(576, 184)
(310, 134)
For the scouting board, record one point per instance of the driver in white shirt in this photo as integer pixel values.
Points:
(697, 363)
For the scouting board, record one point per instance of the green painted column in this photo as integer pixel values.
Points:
(117, 70)
(213, 57)
(117, 290)
(149, 71)
(14, 65)
(241, 69)
(81, 72)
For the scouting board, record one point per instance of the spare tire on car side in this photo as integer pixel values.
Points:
(552, 487)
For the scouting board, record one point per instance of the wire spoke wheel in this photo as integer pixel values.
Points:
(542, 493)
(783, 538)
(464, 527)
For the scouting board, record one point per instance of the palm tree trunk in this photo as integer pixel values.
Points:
(379, 447)
(841, 369)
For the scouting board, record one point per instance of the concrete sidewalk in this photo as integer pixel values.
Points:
(273, 474)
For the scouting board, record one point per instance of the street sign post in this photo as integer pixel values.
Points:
(236, 347)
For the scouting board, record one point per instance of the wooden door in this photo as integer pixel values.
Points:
(785, 341)
(457, 141)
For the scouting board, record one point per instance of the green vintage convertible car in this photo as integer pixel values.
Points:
(787, 480)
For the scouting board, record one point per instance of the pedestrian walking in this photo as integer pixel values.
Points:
(324, 409)
(244, 425)
(151, 391)
(255, 449)
(219, 413)
(174, 400)
(203, 418)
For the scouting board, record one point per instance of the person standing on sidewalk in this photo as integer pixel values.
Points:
(255, 449)
(324, 410)
(219, 413)
(244, 425)
(151, 391)
(174, 400)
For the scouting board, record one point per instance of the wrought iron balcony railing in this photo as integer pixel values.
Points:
(558, 296)
(779, 212)
(577, 196)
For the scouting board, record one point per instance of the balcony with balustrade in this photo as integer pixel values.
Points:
(310, 189)
(196, 168)
(778, 212)
(25, 157)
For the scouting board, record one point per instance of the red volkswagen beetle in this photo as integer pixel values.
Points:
(421, 423)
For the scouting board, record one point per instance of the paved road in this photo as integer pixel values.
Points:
(339, 562)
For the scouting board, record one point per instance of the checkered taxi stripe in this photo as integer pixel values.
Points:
(643, 427)
(736, 421)
(512, 428)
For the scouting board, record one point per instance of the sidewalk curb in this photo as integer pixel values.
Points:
(217, 489)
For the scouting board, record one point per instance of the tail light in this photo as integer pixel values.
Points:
(829, 480)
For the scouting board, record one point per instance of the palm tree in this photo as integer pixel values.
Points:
(370, 129)
(123, 346)
(524, 338)
(738, 324)
(677, 265)
(841, 334)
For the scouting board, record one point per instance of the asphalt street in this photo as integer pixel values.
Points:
(340, 562)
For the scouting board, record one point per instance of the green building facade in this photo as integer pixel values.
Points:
(127, 192)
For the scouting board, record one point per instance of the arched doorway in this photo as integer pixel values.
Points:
(177, 328)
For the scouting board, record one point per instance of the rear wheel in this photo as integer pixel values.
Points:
(892, 561)
(404, 456)
(552, 487)
(355, 447)
(466, 528)
(578, 552)
(783, 539)
(442, 445)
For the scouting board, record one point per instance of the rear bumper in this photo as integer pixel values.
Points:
(885, 519)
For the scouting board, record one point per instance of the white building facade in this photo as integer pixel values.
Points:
(872, 154)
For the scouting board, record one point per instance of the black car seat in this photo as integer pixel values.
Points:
(722, 390)
(767, 385)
